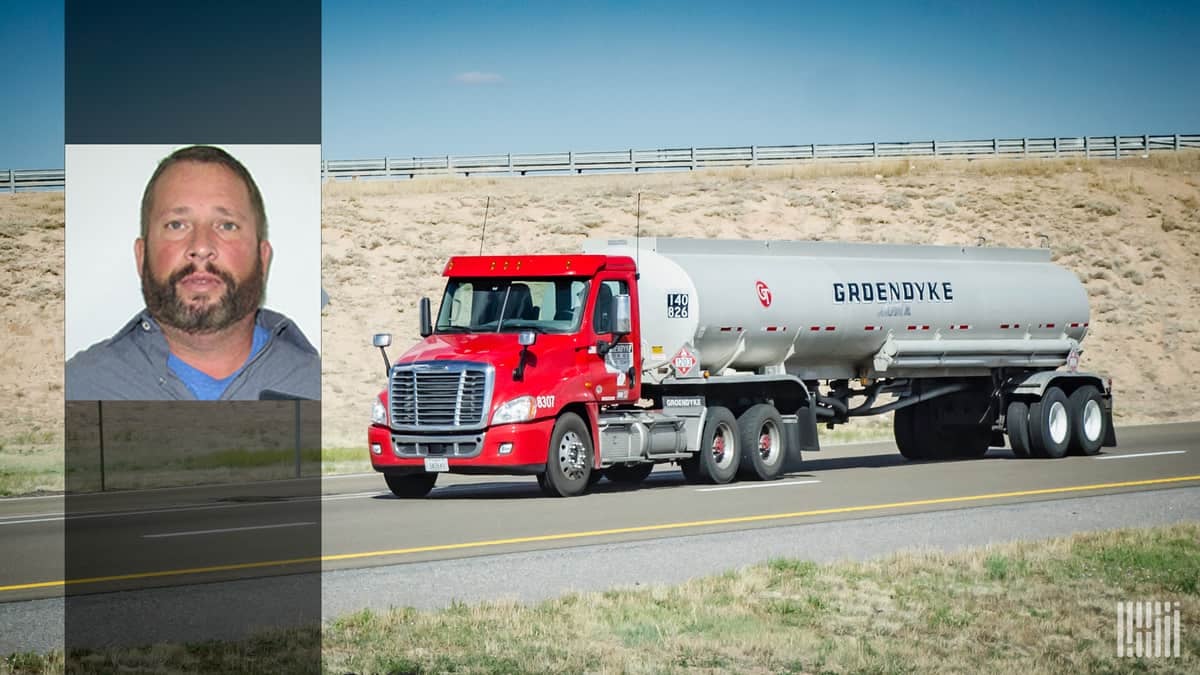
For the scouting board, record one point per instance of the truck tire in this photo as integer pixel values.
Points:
(904, 429)
(411, 485)
(1050, 425)
(1016, 423)
(1087, 420)
(569, 458)
(761, 441)
(718, 457)
(629, 474)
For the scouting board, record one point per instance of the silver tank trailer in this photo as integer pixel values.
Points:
(825, 310)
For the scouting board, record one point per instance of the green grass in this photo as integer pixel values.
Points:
(1029, 607)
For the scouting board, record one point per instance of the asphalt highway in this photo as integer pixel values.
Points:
(279, 533)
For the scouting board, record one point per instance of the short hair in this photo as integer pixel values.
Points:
(206, 154)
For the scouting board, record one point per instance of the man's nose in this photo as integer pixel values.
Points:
(201, 245)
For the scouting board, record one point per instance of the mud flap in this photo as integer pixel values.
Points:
(800, 435)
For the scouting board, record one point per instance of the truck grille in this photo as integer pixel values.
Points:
(440, 396)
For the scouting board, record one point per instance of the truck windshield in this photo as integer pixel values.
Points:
(495, 305)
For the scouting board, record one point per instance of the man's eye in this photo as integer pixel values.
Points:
(228, 227)
(175, 225)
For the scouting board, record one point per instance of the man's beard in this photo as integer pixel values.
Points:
(168, 308)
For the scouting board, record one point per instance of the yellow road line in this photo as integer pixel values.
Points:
(601, 533)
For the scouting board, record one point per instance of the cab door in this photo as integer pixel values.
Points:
(612, 373)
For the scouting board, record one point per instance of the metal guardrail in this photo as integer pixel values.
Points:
(678, 159)
(17, 180)
(750, 156)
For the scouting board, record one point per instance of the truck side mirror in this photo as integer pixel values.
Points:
(622, 313)
(382, 341)
(426, 321)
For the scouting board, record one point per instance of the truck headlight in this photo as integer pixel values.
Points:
(379, 413)
(519, 409)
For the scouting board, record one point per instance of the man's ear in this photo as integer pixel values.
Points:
(264, 253)
(139, 253)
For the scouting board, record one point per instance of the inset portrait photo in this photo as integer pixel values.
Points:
(193, 272)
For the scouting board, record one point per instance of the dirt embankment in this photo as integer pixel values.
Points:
(1129, 229)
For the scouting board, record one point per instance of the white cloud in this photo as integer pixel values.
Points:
(477, 77)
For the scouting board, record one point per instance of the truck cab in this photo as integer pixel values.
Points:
(510, 376)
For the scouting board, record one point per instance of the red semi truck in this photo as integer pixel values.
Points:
(724, 356)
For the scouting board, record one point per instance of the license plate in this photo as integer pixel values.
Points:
(437, 464)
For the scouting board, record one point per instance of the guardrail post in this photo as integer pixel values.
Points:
(934, 144)
(1146, 144)
(996, 147)
(1056, 146)
(874, 149)
(632, 163)
(1087, 148)
(571, 160)
(1177, 142)
(449, 166)
(387, 167)
(1025, 147)
(694, 153)
(12, 173)
(510, 166)
(754, 155)
(813, 147)
(1116, 147)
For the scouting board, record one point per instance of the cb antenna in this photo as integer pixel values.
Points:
(637, 237)
(482, 233)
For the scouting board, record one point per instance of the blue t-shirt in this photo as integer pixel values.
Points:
(205, 387)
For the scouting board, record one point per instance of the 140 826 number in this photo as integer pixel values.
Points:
(677, 305)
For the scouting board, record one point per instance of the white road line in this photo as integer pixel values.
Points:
(222, 531)
(758, 485)
(1143, 454)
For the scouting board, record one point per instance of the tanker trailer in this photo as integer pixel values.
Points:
(725, 356)
(963, 342)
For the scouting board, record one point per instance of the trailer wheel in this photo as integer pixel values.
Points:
(1050, 425)
(1087, 420)
(630, 474)
(761, 437)
(904, 429)
(569, 461)
(410, 486)
(718, 453)
(1016, 424)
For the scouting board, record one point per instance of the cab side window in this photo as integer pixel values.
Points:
(602, 319)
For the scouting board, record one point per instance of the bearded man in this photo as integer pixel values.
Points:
(203, 257)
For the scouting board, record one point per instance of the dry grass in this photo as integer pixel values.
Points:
(1030, 607)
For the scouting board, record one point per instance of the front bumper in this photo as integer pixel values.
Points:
(393, 452)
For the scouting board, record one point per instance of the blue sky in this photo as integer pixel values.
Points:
(450, 77)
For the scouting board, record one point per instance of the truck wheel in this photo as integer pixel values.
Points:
(412, 485)
(569, 460)
(1050, 425)
(630, 474)
(1087, 420)
(761, 439)
(1016, 423)
(719, 446)
(904, 429)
